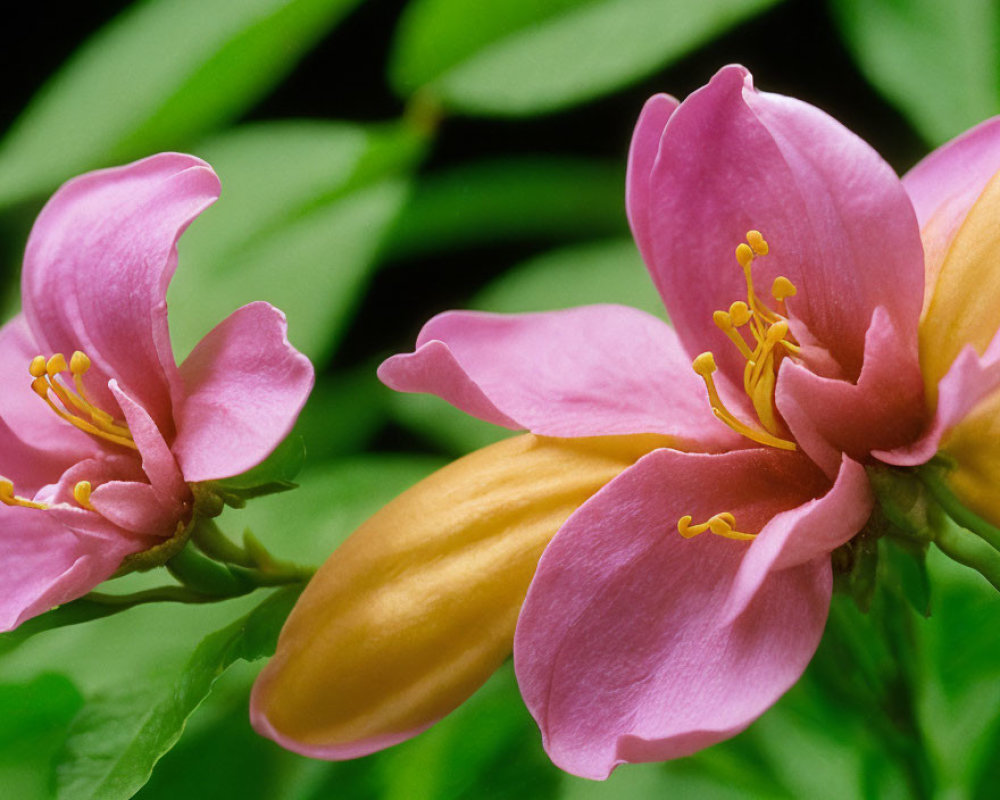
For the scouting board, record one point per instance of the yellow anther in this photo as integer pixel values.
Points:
(744, 254)
(8, 498)
(782, 288)
(37, 367)
(79, 363)
(719, 524)
(704, 364)
(768, 330)
(739, 313)
(757, 242)
(76, 408)
(81, 493)
(56, 364)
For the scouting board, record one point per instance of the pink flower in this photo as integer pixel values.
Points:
(688, 594)
(102, 435)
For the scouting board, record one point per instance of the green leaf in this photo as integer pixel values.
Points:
(523, 198)
(345, 410)
(531, 56)
(604, 272)
(155, 78)
(303, 209)
(905, 565)
(937, 62)
(73, 613)
(116, 740)
(35, 717)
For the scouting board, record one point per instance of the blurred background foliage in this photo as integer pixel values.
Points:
(383, 160)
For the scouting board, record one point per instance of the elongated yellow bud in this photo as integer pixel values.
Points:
(417, 608)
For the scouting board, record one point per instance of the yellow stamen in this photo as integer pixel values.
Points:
(81, 493)
(8, 498)
(769, 330)
(723, 524)
(76, 404)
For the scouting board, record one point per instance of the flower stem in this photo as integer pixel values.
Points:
(972, 551)
(160, 594)
(216, 545)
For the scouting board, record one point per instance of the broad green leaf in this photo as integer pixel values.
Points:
(306, 525)
(523, 198)
(116, 740)
(938, 62)
(530, 56)
(303, 209)
(605, 272)
(35, 718)
(155, 78)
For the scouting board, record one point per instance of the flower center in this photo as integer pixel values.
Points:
(772, 341)
(76, 408)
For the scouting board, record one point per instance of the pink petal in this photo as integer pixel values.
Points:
(837, 219)
(244, 386)
(884, 409)
(641, 157)
(135, 507)
(622, 652)
(158, 462)
(97, 266)
(44, 564)
(970, 378)
(946, 183)
(25, 413)
(588, 371)
(804, 534)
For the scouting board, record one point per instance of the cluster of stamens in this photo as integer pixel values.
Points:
(772, 341)
(75, 407)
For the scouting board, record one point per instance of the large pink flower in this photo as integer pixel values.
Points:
(689, 593)
(101, 433)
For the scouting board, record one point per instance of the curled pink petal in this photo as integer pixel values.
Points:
(135, 507)
(244, 387)
(97, 266)
(970, 378)
(885, 408)
(158, 462)
(805, 534)
(590, 371)
(622, 651)
(641, 157)
(837, 219)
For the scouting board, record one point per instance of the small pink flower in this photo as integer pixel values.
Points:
(101, 433)
(688, 594)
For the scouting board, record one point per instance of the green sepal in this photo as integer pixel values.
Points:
(274, 474)
(905, 568)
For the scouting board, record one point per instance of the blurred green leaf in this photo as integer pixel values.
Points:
(306, 525)
(604, 272)
(344, 412)
(155, 78)
(116, 740)
(35, 718)
(495, 201)
(938, 62)
(303, 210)
(531, 56)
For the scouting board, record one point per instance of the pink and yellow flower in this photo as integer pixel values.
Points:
(688, 594)
(102, 435)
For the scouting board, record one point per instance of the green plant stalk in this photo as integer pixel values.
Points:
(952, 506)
